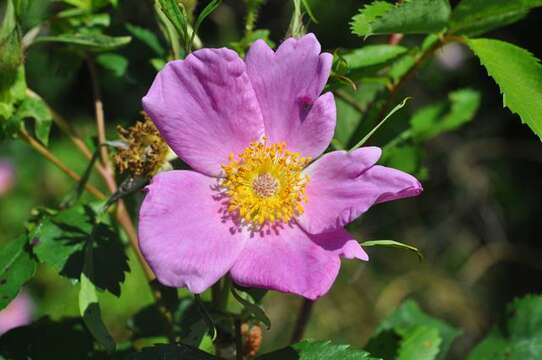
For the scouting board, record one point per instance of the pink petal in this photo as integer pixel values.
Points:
(344, 185)
(205, 108)
(292, 261)
(7, 176)
(182, 234)
(17, 313)
(288, 84)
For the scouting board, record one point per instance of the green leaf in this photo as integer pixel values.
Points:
(177, 15)
(35, 108)
(252, 309)
(317, 350)
(207, 10)
(171, 352)
(12, 91)
(420, 343)
(519, 76)
(371, 55)
(408, 317)
(46, 339)
(525, 317)
(394, 244)
(16, 267)
(11, 55)
(349, 118)
(362, 23)
(115, 63)
(390, 114)
(435, 119)
(475, 17)
(521, 338)
(60, 241)
(409, 16)
(88, 41)
(158, 64)
(147, 37)
(91, 314)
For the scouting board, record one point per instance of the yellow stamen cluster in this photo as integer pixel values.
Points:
(145, 151)
(265, 184)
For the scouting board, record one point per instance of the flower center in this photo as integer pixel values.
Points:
(265, 184)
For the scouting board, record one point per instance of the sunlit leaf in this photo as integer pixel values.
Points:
(420, 343)
(394, 244)
(317, 350)
(519, 76)
(16, 267)
(373, 55)
(409, 16)
(520, 338)
(382, 122)
(409, 321)
(89, 41)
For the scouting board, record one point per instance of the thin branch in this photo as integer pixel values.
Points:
(302, 320)
(99, 112)
(122, 214)
(25, 136)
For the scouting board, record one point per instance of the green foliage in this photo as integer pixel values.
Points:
(475, 17)
(171, 352)
(251, 309)
(419, 334)
(349, 118)
(17, 266)
(444, 116)
(115, 63)
(519, 76)
(409, 16)
(371, 55)
(147, 37)
(61, 240)
(47, 339)
(176, 14)
(12, 91)
(207, 10)
(36, 109)
(11, 55)
(420, 343)
(519, 338)
(394, 244)
(88, 41)
(382, 122)
(405, 152)
(89, 308)
(317, 350)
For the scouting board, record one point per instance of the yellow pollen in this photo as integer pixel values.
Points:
(265, 184)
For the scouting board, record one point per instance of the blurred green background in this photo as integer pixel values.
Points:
(476, 221)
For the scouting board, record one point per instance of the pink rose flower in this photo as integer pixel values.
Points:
(7, 176)
(255, 205)
(17, 313)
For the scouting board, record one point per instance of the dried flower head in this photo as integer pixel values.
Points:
(144, 152)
